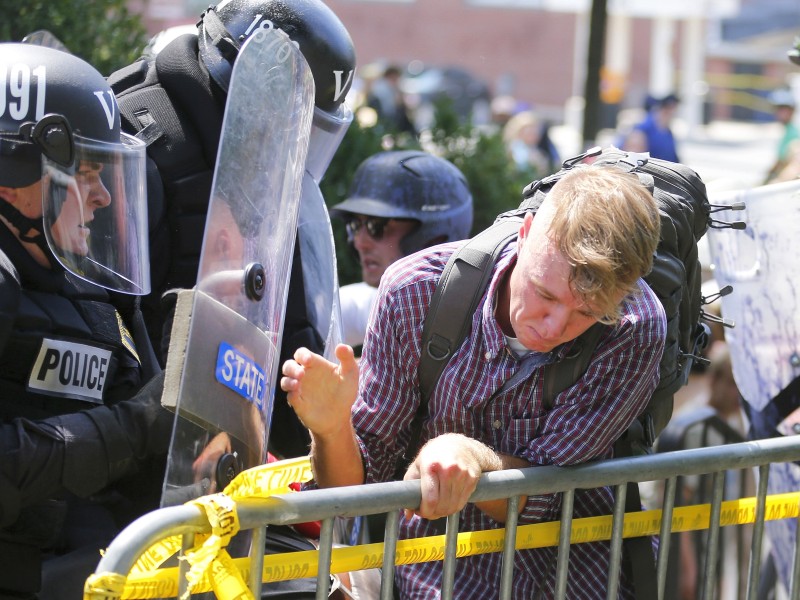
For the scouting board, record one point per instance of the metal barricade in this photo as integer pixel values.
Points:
(702, 427)
(326, 505)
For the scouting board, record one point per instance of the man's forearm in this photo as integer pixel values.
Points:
(498, 509)
(336, 459)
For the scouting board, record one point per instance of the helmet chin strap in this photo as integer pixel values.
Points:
(25, 224)
(214, 33)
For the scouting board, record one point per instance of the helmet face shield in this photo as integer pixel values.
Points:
(327, 131)
(95, 213)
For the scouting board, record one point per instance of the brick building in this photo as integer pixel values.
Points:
(535, 50)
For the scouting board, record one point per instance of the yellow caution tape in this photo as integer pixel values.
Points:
(104, 586)
(210, 556)
(212, 567)
(294, 565)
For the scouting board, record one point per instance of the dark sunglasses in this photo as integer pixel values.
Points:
(374, 226)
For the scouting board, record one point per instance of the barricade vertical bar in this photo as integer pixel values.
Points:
(450, 547)
(567, 505)
(741, 556)
(618, 522)
(389, 551)
(256, 560)
(711, 555)
(794, 591)
(509, 548)
(324, 561)
(754, 569)
(665, 535)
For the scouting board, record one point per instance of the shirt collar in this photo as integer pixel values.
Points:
(493, 339)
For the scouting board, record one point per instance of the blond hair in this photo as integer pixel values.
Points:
(513, 128)
(607, 225)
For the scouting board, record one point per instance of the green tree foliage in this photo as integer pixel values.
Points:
(102, 32)
(494, 181)
(495, 184)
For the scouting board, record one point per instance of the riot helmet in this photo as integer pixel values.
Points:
(411, 184)
(60, 130)
(324, 42)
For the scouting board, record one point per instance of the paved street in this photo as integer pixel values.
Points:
(723, 153)
(731, 154)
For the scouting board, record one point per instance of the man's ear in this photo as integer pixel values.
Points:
(8, 194)
(222, 244)
(525, 228)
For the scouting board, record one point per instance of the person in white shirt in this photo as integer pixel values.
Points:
(399, 202)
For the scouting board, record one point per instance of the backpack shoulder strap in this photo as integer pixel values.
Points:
(449, 317)
(566, 372)
(460, 288)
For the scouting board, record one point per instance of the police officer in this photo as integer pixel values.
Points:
(175, 101)
(399, 202)
(72, 237)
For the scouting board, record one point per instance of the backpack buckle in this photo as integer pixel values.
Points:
(438, 348)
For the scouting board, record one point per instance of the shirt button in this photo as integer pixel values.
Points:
(496, 424)
(487, 355)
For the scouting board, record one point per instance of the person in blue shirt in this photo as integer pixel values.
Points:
(654, 133)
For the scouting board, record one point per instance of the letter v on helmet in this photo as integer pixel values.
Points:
(109, 106)
(339, 86)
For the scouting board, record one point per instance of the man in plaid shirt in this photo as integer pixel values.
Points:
(577, 262)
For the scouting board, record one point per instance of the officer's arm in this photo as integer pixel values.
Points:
(80, 452)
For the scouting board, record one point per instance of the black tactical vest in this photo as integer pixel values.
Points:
(64, 348)
(171, 104)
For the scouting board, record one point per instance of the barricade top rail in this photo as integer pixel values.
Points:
(285, 509)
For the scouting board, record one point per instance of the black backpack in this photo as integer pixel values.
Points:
(675, 279)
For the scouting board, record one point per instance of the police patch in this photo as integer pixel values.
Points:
(127, 338)
(71, 370)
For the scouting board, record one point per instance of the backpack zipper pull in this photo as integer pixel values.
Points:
(571, 162)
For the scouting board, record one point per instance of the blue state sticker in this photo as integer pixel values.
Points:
(241, 374)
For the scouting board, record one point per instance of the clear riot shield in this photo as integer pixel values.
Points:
(320, 280)
(760, 263)
(224, 350)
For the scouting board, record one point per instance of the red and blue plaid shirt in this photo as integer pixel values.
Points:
(581, 425)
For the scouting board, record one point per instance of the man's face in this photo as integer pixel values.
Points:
(784, 114)
(85, 194)
(543, 310)
(377, 241)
